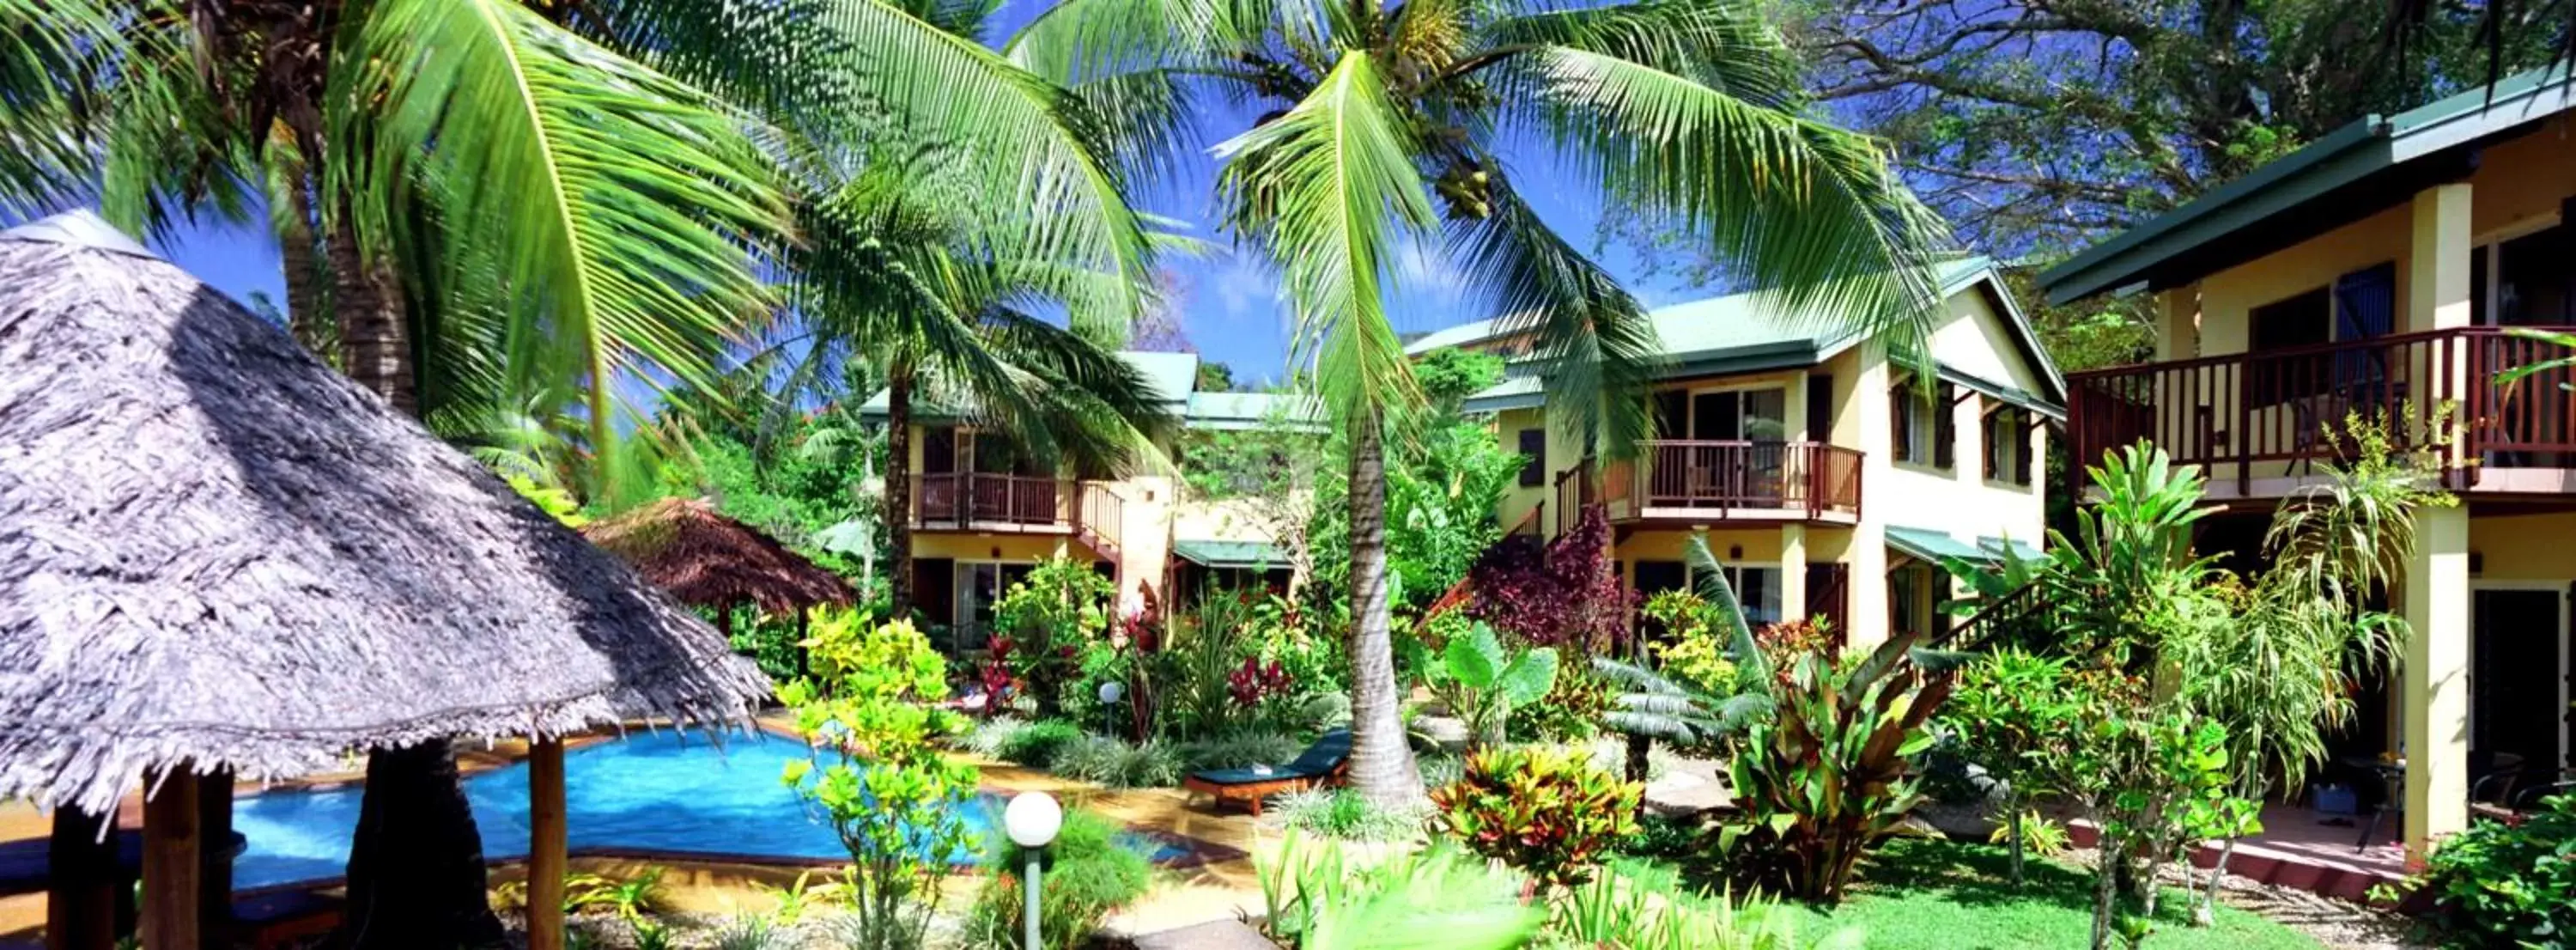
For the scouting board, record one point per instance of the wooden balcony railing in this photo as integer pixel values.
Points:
(2267, 415)
(963, 498)
(1099, 520)
(1719, 480)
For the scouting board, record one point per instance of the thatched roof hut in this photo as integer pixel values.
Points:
(686, 547)
(222, 553)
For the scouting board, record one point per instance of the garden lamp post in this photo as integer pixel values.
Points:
(1032, 819)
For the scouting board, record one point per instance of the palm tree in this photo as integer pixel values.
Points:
(1391, 123)
(559, 177)
(931, 277)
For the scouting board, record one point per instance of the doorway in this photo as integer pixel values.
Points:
(2519, 676)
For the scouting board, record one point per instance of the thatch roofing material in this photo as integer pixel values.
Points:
(220, 551)
(702, 557)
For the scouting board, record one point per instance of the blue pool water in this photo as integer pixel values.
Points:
(660, 792)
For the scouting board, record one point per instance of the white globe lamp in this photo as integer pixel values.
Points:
(1032, 819)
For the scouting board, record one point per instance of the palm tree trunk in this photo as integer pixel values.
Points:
(305, 318)
(416, 875)
(898, 487)
(1382, 767)
(375, 349)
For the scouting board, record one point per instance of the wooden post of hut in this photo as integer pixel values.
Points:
(547, 844)
(215, 857)
(170, 861)
(80, 902)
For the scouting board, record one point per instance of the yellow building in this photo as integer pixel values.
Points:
(982, 513)
(2378, 271)
(1829, 483)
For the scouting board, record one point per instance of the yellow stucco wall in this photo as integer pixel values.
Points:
(1961, 502)
(1014, 548)
(2529, 547)
(2518, 185)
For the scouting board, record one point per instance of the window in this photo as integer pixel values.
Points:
(2305, 320)
(2007, 444)
(2535, 286)
(1820, 407)
(1746, 415)
(1914, 593)
(980, 586)
(1533, 457)
(1758, 589)
(1655, 577)
(1924, 432)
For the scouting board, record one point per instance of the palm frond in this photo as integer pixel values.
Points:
(1597, 343)
(1027, 146)
(1720, 593)
(52, 58)
(1331, 188)
(1812, 210)
(620, 200)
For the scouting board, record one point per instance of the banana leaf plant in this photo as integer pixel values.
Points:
(1482, 682)
(1830, 774)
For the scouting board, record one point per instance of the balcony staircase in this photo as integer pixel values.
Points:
(1098, 520)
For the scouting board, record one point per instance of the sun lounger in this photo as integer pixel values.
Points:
(1321, 763)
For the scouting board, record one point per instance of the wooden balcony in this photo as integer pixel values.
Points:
(959, 501)
(2258, 423)
(1685, 482)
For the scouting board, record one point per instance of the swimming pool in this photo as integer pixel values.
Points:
(656, 793)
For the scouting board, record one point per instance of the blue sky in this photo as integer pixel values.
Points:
(1228, 301)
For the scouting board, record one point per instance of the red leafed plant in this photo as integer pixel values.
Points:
(1545, 811)
(1563, 594)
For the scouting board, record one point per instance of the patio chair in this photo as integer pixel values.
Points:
(1321, 763)
(2505, 795)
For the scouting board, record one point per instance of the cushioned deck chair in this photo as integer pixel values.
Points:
(1321, 763)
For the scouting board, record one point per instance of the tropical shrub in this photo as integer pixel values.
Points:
(990, 736)
(1783, 644)
(1650, 909)
(1044, 621)
(1694, 649)
(1563, 594)
(1345, 814)
(2015, 715)
(1038, 744)
(1314, 899)
(1570, 711)
(898, 805)
(1827, 777)
(2502, 884)
(1116, 763)
(1088, 875)
(1481, 682)
(1545, 811)
(1200, 655)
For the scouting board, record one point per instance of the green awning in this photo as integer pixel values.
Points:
(1931, 547)
(1994, 548)
(1231, 554)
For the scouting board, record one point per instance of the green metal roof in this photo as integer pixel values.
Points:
(1231, 554)
(1733, 334)
(2005, 392)
(2342, 158)
(1172, 377)
(1252, 411)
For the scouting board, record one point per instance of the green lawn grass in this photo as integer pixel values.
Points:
(1955, 896)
